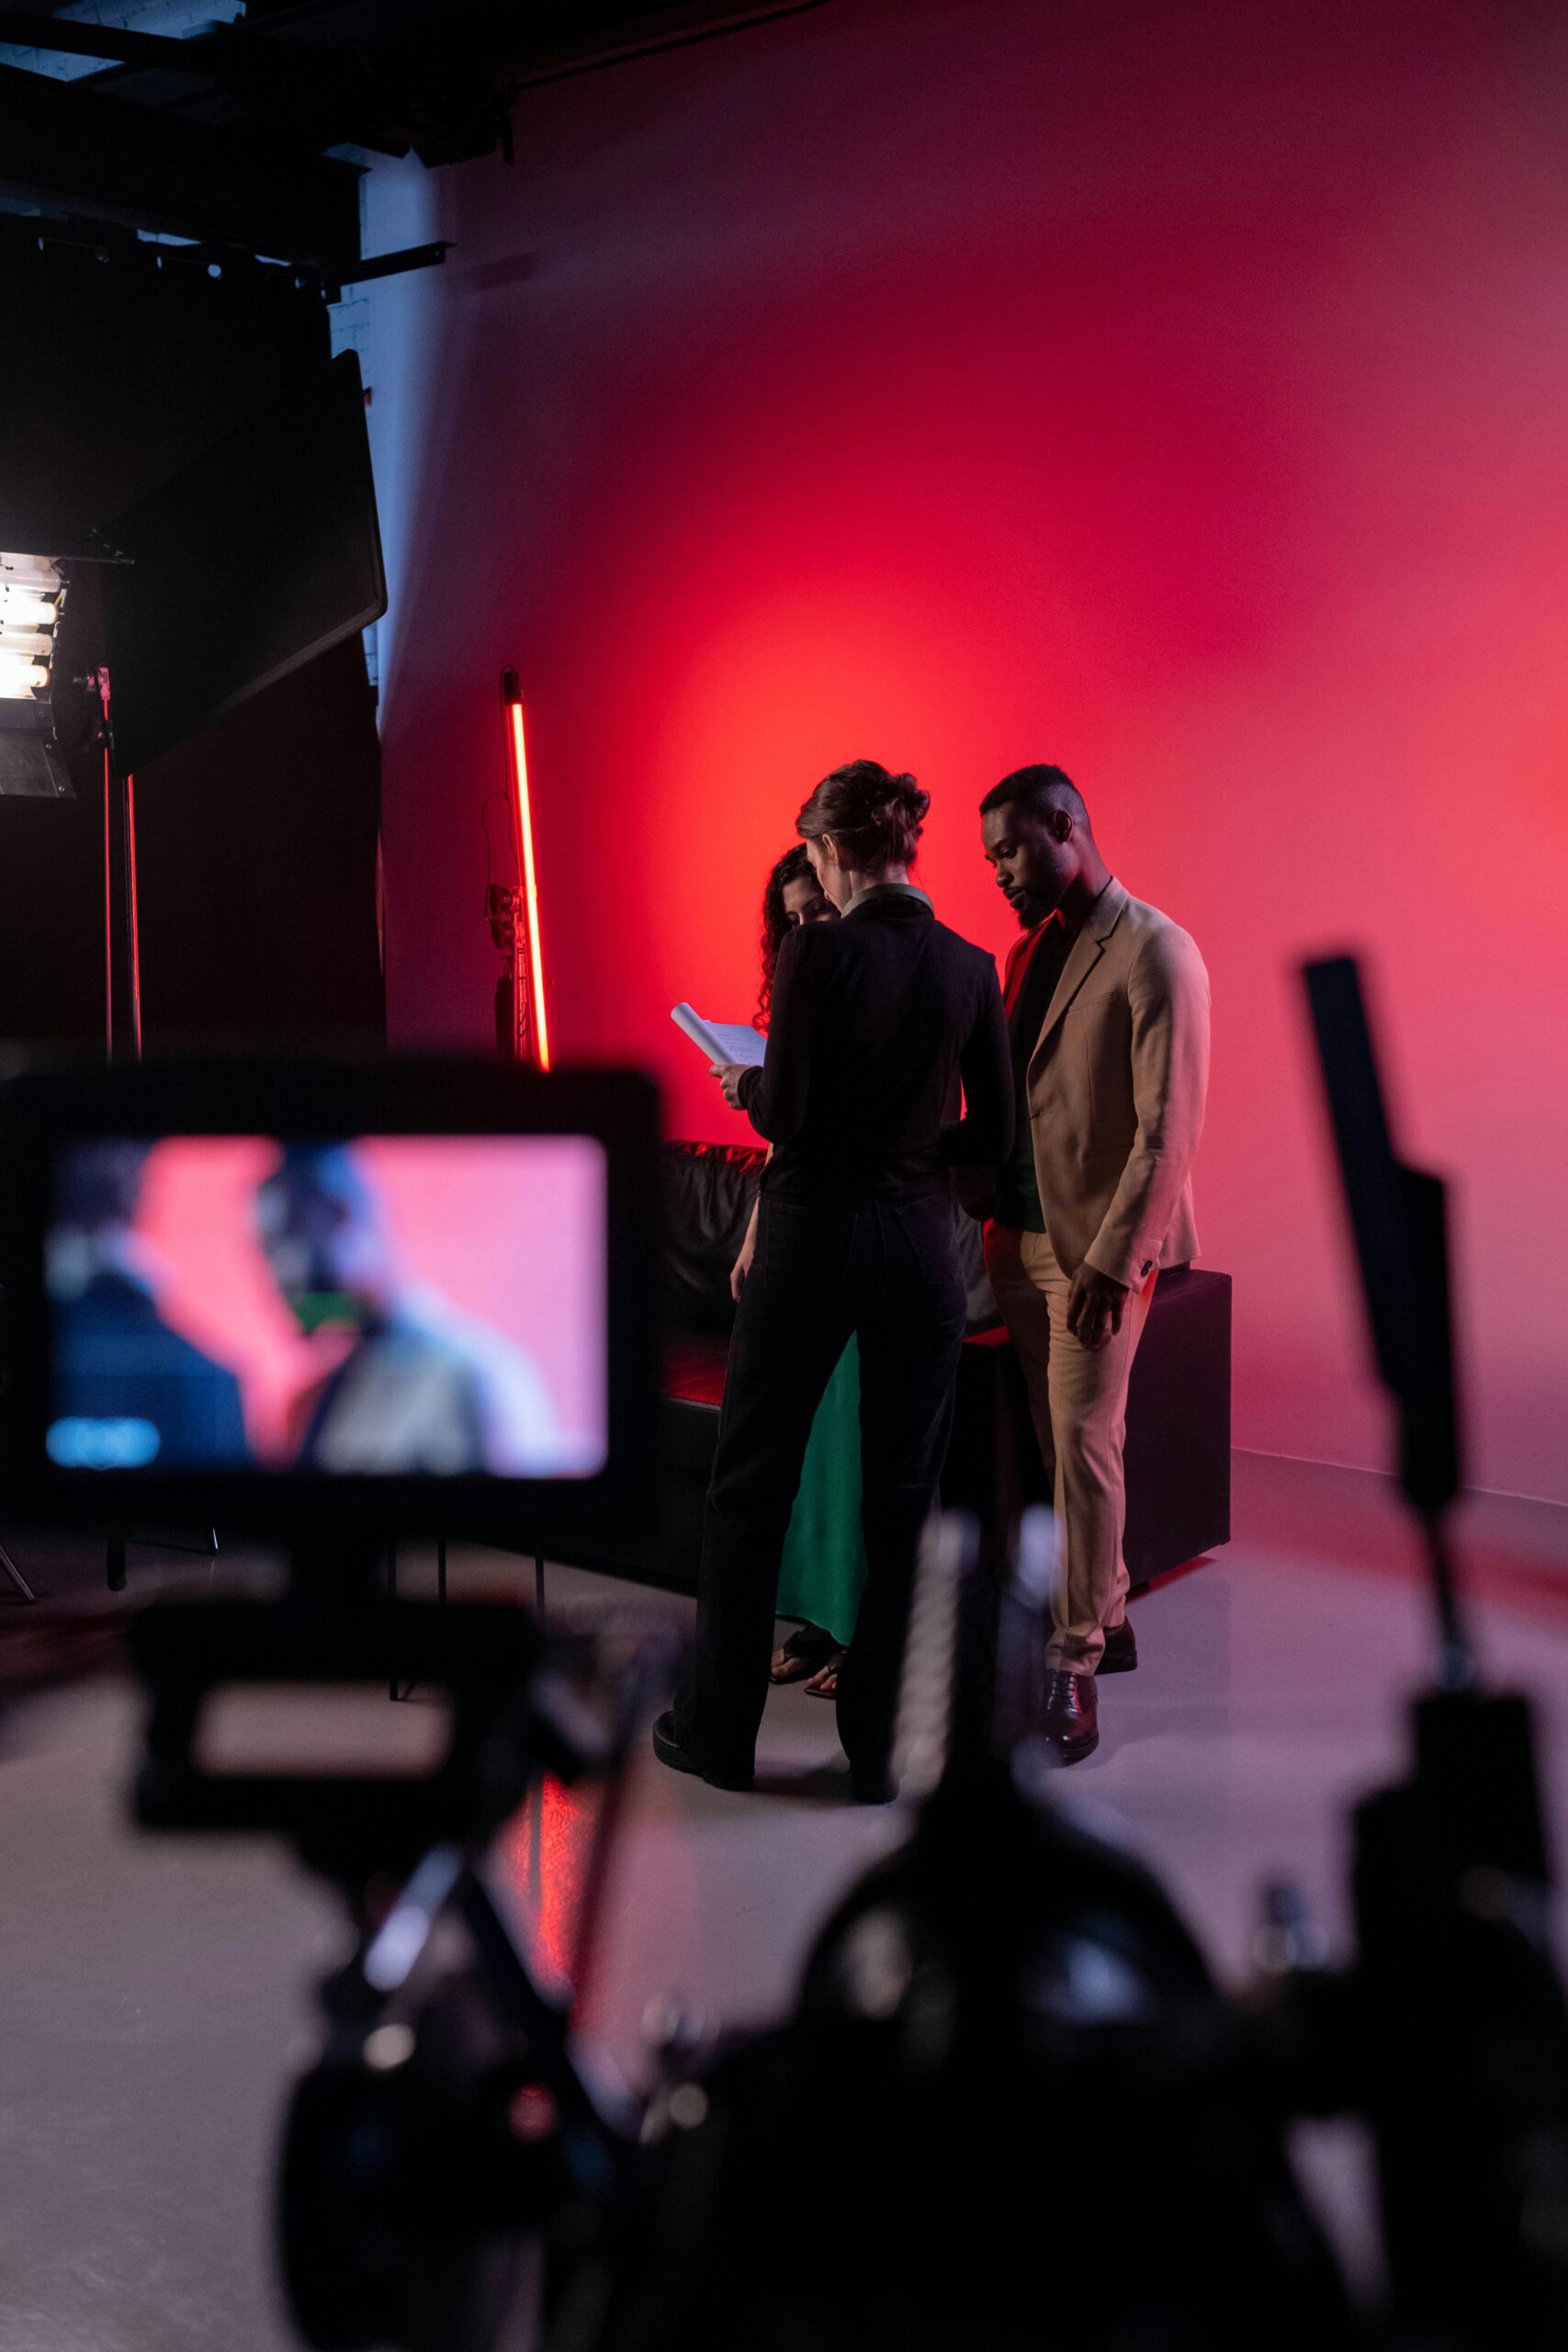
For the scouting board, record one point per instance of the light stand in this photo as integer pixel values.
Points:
(1458, 2021)
(122, 942)
(259, 555)
(32, 595)
(123, 948)
(122, 982)
(1399, 1226)
(9, 1569)
(512, 912)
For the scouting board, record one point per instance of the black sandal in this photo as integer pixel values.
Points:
(806, 1652)
(818, 1687)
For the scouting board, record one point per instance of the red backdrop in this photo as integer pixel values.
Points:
(1179, 394)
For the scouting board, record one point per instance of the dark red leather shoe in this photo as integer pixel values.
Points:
(668, 1748)
(1119, 1654)
(1070, 1726)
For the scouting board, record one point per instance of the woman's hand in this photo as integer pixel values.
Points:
(729, 1075)
(742, 1266)
(976, 1191)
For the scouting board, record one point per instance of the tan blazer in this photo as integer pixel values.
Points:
(1116, 1083)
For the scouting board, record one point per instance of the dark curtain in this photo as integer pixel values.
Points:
(258, 837)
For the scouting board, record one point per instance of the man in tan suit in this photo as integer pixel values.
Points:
(1108, 1006)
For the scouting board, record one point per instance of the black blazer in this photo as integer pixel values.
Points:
(874, 1018)
(117, 1360)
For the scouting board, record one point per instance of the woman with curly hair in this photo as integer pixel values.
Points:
(793, 896)
(824, 1556)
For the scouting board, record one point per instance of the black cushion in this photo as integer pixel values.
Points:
(708, 1192)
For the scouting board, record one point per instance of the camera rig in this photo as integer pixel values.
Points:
(1006, 2019)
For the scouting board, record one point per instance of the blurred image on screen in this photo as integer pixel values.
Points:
(377, 1306)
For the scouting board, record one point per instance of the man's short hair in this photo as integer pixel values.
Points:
(1037, 790)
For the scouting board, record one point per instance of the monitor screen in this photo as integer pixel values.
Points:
(375, 1306)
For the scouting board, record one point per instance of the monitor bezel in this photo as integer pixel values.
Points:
(42, 1113)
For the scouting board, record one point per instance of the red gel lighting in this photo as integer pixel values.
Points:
(523, 819)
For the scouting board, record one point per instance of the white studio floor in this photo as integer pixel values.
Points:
(157, 1993)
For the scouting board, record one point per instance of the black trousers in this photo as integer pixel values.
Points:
(889, 1273)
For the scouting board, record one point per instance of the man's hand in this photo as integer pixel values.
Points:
(729, 1075)
(1094, 1306)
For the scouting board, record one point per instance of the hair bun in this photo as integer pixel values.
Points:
(905, 795)
(872, 812)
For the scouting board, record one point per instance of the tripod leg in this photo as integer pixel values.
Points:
(539, 1582)
(441, 1568)
(8, 1566)
(116, 1564)
(392, 1691)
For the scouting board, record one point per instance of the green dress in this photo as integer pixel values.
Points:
(824, 1556)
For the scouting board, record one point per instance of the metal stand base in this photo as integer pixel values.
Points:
(396, 1687)
(117, 1550)
(9, 1568)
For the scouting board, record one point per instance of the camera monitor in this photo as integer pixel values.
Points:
(385, 1295)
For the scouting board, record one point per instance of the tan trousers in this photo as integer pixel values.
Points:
(1078, 1399)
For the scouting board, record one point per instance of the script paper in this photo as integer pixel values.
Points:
(722, 1041)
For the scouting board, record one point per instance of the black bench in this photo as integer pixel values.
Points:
(1177, 1408)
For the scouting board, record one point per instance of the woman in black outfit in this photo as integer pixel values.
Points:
(874, 1019)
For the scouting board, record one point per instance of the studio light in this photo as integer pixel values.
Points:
(33, 596)
(531, 1031)
(22, 676)
(24, 608)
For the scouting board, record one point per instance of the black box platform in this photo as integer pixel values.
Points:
(1178, 1410)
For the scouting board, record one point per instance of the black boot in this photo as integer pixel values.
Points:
(668, 1748)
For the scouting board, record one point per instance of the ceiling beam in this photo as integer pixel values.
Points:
(329, 97)
(643, 33)
(74, 36)
(72, 152)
